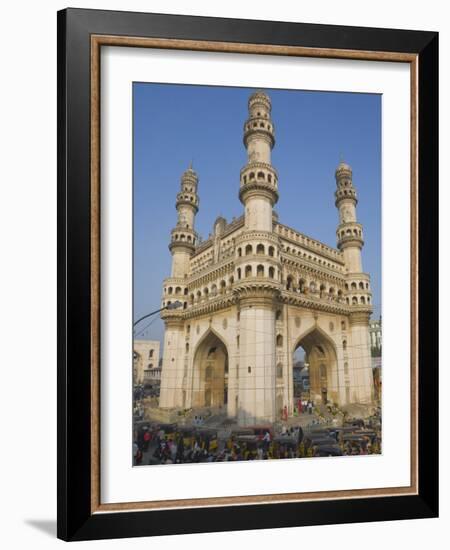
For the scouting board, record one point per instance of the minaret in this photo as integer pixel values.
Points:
(359, 379)
(183, 235)
(257, 271)
(349, 232)
(182, 246)
(259, 180)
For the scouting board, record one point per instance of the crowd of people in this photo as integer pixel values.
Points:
(154, 445)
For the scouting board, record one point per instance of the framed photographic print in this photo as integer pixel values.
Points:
(247, 274)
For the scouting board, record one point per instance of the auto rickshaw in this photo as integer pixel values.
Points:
(208, 438)
(284, 442)
(248, 445)
(187, 434)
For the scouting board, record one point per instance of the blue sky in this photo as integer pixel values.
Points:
(176, 124)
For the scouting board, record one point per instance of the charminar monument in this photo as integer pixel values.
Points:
(256, 290)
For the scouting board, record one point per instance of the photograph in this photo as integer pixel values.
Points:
(257, 289)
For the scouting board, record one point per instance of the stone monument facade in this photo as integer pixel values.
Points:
(256, 290)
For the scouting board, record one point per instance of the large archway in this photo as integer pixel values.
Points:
(210, 388)
(319, 369)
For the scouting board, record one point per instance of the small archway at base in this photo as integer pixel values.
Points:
(210, 388)
(316, 360)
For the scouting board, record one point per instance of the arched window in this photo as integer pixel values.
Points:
(301, 285)
(279, 340)
(238, 272)
(312, 286)
(343, 325)
(150, 353)
(170, 290)
(361, 286)
(353, 286)
(344, 344)
(289, 283)
(206, 291)
(260, 249)
(354, 300)
(260, 270)
(346, 286)
(187, 347)
(278, 315)
(223, 284)
(271, 251)
(239, 251)
(150, 366)
(237, 341)
(272, 272)
(261, 175)
(214, 290)
(362, 300)
(321, 290)
(252, 175)
(248, 249)
(186, 291)
(279, 370)
(248, 270)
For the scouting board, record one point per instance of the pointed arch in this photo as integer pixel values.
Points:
(328, 340)
(210, 370)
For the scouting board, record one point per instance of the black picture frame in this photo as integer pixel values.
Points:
(75, 518)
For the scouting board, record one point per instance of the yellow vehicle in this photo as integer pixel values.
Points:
(188, 435)
(248, 445)
(208, 439)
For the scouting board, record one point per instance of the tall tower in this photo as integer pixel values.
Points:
(183, 236)
(259, 180)
(182, 246)
(349, 232)
(358, 295)
(257, 270)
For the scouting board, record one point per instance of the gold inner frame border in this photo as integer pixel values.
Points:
(97, 41)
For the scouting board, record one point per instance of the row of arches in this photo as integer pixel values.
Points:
(350, 232)
(181, 237)
(252, 176)
(259, 271)
(260, 124)
(189, 198)
(259, 249)
(312, 287)
(362, 285)
(355, 300)
(215, 289)
(175, 290)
